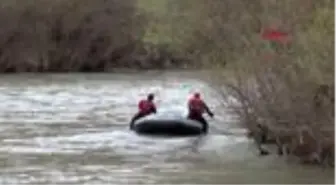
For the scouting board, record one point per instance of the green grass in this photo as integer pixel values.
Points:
(170, 23)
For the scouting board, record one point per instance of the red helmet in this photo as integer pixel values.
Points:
(197, 95)
(150, 96)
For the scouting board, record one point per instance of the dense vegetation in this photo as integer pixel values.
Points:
(74, 35)
(284, 88)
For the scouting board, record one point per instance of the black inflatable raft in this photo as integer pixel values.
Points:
(167, 124)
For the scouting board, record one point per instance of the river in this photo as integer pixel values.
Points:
(73, 129)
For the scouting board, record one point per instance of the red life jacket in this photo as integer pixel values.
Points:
(145, 106)
(196, 105)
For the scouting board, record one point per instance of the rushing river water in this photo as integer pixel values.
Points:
(73, 129)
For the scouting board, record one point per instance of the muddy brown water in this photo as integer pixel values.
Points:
(73, 129)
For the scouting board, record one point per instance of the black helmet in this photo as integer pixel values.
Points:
(150, 96)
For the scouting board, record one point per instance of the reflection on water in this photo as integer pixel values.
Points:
(62, 129)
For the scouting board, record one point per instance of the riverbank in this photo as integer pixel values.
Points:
(82, 37)
(78, 36)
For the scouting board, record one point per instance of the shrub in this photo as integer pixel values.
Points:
(287, 88)
(76, 35)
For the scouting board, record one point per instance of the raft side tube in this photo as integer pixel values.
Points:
(168, 124)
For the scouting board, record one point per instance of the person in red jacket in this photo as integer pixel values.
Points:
(146, 107)
(196, 108)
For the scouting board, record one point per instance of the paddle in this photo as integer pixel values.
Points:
(217, 129)
(215, 126)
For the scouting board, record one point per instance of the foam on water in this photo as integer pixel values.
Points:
(59, 129)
